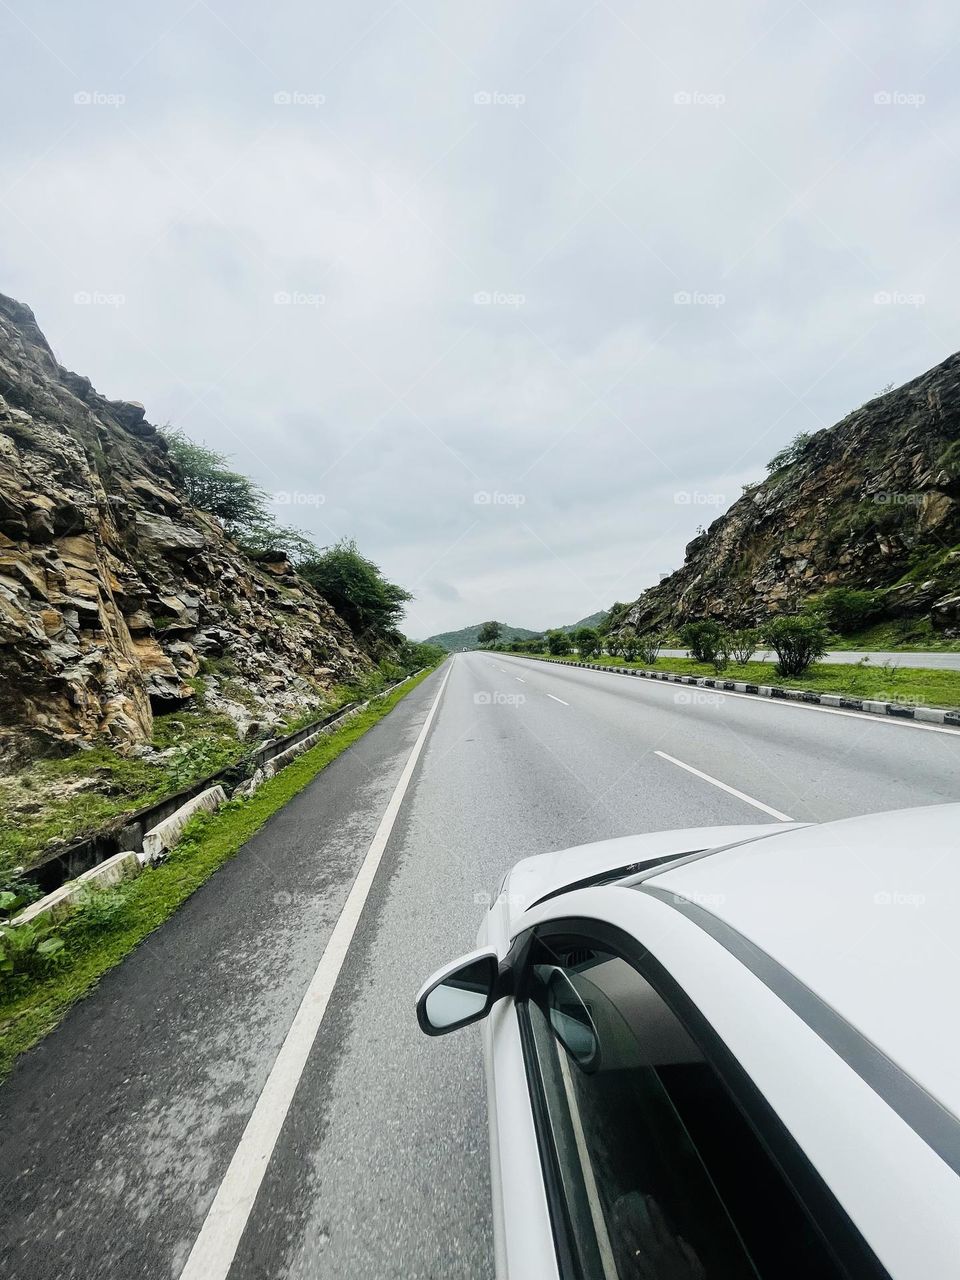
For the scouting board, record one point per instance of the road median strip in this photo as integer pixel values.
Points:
(945, 716)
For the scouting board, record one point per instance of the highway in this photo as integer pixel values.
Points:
(120, 1128)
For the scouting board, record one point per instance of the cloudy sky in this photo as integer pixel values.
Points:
(516, 295)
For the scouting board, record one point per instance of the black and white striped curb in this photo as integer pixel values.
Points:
(898, 710)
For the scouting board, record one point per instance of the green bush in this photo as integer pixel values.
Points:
(369, 604)
(798, 640)
(648, 648)
(587, 641)
(558, 643)
(846, 610)
(742, 645)
(210, 484)
(790, 453)
(702, 639)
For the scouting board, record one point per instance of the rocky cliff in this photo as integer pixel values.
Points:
(114, 591)
(873, 502)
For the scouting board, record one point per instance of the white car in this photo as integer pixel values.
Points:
(725, 1052)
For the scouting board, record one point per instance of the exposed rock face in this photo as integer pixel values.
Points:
(873, 502)
(112, 588)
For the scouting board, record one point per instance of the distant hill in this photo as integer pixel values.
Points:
(594, 620)
(466, 637)
(871, 504)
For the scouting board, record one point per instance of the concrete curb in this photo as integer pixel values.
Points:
(898, 710)
(165, 834)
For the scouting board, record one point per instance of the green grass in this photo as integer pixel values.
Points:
(901, 634)
(855, 680)
(96, 940)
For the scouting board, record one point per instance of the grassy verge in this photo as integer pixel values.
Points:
(115, 921)
(53, 801)
(885, 683)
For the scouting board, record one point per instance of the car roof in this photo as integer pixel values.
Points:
(862, 915)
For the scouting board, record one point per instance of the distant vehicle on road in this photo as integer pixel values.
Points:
(723, 1052)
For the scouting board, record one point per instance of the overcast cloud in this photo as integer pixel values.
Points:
(287, 217)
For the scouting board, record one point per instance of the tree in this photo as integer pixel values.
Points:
(587, 642)
(370, 605)
(489, 633)
(648, 648)
(558, 643)
(209, 484)
(535, 644)
(797, 640)
(702, 639)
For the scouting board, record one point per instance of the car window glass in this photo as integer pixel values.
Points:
(660, 1173)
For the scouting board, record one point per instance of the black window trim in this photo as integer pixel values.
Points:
(853, 1255)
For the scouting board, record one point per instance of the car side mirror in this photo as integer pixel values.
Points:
(458, 994)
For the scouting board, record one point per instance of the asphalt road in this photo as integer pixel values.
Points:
(901, 658)
(116, 1132)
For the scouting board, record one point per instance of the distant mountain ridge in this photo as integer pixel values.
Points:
(466, 637)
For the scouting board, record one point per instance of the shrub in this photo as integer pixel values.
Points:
(535, 645)
(558, 643)
(648, 648)
(369, 604)
(743, 645)
(587, 642)
(701, 638)
(628, 642)
(845, 610)
(790, 453)
(210, 484)
(797, 640)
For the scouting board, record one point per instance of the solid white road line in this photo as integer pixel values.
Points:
(213, 1252)
(757, 804)
(560, 700)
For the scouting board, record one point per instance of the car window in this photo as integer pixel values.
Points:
(658, 1173)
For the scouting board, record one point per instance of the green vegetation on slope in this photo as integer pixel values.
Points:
(116, 920)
